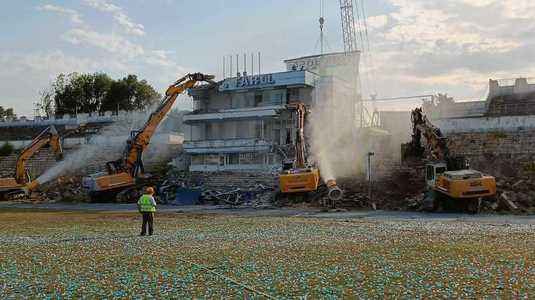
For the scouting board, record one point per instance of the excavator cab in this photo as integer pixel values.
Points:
(433, 171)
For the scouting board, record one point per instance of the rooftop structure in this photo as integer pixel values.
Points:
(242, 123)
(505, 98)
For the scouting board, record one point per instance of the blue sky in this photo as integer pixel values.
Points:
(418, 46)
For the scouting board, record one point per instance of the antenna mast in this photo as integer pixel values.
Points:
(322, 21)
(348, 26)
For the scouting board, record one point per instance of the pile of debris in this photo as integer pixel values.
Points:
(515, 194)
(258, 196)
(64, 189)
(400, 190)
(220, 188)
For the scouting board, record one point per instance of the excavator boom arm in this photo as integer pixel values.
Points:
(48, 136)
(142, 138)
(435, 142)
(301, 110)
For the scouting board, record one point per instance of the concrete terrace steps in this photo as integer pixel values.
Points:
(230, 181)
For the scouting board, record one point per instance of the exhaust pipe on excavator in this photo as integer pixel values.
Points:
(334, 192)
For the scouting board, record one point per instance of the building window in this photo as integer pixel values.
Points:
(234, 159)
(258, 100)
(288, 139)
(276, 138)
(212, 159)
(258, 129)
(293, 96)
(197, 159)
(246, 158)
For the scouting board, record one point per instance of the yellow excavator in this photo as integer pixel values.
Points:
(450, 181)
(298, 176)
(20, 185)
(121, 174)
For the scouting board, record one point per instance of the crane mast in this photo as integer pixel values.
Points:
(348, 26)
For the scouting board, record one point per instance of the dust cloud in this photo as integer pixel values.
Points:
(108, 145)
(336, 144)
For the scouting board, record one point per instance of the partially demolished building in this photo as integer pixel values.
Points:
(241, 124)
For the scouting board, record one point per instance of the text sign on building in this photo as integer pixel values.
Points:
(255, 80)
(263, 81)
(317, 62)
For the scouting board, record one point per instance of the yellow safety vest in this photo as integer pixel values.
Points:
(146, 204)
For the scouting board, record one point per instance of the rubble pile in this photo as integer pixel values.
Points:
(221, 188)
(514, 194)
(258, 196)
(399, 190)
(66, 189)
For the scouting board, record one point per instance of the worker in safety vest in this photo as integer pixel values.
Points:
(147, 207)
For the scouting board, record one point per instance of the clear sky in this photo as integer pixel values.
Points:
(417, 46)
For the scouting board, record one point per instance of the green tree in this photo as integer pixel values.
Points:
(130, 94)
(7, 113)
(85, 93)
(6, 149)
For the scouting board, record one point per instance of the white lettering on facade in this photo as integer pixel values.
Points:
(255, 80)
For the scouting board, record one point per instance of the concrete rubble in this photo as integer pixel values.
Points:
(403, 189)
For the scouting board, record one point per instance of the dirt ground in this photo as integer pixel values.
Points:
(69, 254)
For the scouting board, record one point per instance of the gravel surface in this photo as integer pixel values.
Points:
(67, 254)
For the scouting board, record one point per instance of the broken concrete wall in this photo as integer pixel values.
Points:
(499, 153)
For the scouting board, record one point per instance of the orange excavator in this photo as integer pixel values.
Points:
(121, 174)
(21, 184)
(298, 176)
(450, 181)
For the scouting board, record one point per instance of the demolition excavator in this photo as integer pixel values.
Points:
(22, 184)
(298, 176)
(120, 178)
(450, 181)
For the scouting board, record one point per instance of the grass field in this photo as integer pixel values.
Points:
(45, 254)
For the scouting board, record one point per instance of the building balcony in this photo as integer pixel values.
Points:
(226, 146)
(234, 114)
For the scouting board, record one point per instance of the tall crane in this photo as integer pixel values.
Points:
(12, 186)
(348, 26)
(349, 35)
(121, 174)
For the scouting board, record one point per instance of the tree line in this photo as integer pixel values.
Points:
(88, 93)
(7, 113)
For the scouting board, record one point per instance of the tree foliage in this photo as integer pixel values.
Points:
(86, 93)
(6, 149)
(7, 113)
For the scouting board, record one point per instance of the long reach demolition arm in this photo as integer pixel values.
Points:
(48, 136)
(142, 138)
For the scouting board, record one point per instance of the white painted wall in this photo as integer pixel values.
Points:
(485, 124)
(163, 139)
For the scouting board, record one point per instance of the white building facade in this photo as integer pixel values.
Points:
(242, 123)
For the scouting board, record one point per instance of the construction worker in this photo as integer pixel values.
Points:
(147, 206)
